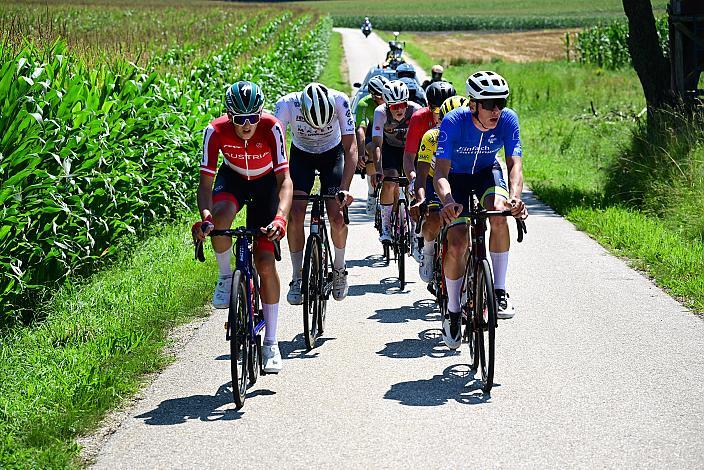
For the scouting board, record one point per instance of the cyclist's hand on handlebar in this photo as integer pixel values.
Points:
(518, 208)
(344, 198)
(201, 229)
(415, 210)
(450, 212)
(276, 230)
(361, 163)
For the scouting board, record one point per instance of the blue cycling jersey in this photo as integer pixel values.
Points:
(472, 150)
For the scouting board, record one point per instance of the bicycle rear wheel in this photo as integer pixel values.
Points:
(311, 286)
(238, 316)
(402, 239)
(485, 322)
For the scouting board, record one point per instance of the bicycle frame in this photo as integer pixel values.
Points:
(244, 263)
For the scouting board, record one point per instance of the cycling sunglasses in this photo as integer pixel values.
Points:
(241, 119)
(489, 105)
(398, 106)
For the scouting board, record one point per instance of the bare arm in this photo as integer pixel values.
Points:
(442, 186)
(514, 165)
(409, 165)
(285, 187)
(350, 146)
(205, 195)
(421, 178)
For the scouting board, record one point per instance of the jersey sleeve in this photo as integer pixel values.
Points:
(361, 113)
(282, 112)
(277, 142)
(211, 151)
(379, 120)
(512, 136)
(447, 137)
(344, 114)
(415, 133)
(428, 144)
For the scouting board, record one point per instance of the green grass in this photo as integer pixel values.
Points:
(333, 75)
(498, 8)
(99, 338)
(578, 128)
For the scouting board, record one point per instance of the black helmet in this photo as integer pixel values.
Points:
(438, 92)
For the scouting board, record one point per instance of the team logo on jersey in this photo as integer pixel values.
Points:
(259, 145)
(442, 136)
(300, 119)
(346, 105)
(491, 139)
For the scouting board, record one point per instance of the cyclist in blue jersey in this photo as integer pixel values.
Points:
(469, 141)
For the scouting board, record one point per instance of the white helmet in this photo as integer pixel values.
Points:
(377, 84)
(486, 85)
(317, 106)
(395, 92)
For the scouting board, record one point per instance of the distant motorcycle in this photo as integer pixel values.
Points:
(366, 30)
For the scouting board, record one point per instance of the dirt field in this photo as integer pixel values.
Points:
(528, 46)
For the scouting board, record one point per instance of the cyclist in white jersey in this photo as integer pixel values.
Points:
(323, 134)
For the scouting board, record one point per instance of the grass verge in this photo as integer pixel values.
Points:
(335, 72)
(99, 338)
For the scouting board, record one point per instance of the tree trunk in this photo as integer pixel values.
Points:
(649, 62)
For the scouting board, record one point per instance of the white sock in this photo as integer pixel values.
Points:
(271, 318)
(386, 210)
(223, 260)
(428, 247)
(339, 258)
(296, 265)
(499, 261)
(370, 188)
(453, 293)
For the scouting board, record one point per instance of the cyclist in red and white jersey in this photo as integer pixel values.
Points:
(323, 134)
(254, 167)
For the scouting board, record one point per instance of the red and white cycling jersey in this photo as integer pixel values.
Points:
(251, 159)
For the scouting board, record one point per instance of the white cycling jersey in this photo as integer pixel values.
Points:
(308, 138)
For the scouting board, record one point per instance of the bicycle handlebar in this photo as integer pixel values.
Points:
(313, 197)
(237, 232)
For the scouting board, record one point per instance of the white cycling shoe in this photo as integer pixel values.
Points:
(425, 268)
(452, 330)
(271, 357)
(339, 284)
(221, 297)
(294, 296)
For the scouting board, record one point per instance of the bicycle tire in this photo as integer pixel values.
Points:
(254, 362)
(311, 286)
(485, 322)
(468, 307)
(239, 338)
(325, 278)
(402, 239)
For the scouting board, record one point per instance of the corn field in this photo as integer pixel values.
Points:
(464, 23)
(606, 45)
(90, 154)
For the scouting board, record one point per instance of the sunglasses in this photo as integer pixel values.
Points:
(398, 106)
(489, 105)
(241, 119)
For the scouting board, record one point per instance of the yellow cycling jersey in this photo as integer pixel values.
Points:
(426, 151)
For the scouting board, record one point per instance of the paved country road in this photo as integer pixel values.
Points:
(599, 368)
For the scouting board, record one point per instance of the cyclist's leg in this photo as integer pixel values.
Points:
(302, 170)
(264, 210)
(331, 167)
(495, 197)
(392, 160)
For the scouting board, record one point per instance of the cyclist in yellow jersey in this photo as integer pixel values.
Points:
(425, 192)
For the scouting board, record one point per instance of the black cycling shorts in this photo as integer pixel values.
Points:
(264, 194)
(488, 182)
(392, 158)
(330, 164)
(431, 197)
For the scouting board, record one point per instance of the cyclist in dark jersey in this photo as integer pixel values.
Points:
(388, 139)
(254, 166)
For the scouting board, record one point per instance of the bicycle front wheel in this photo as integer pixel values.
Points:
(239, 338)
(311, 286)
(485, 322)
(402, 241)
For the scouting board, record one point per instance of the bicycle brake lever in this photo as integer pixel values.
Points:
(199, 255)
(277, 250)
(521, 225)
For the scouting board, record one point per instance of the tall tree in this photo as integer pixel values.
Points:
(649, 61)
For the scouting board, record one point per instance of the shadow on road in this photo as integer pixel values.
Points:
(457, 383)
(425, 310)
(296, 348)
(201, 407)
(387, 286)
(428, 344)
(371, 261)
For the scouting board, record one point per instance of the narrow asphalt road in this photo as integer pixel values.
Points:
(599, 368)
